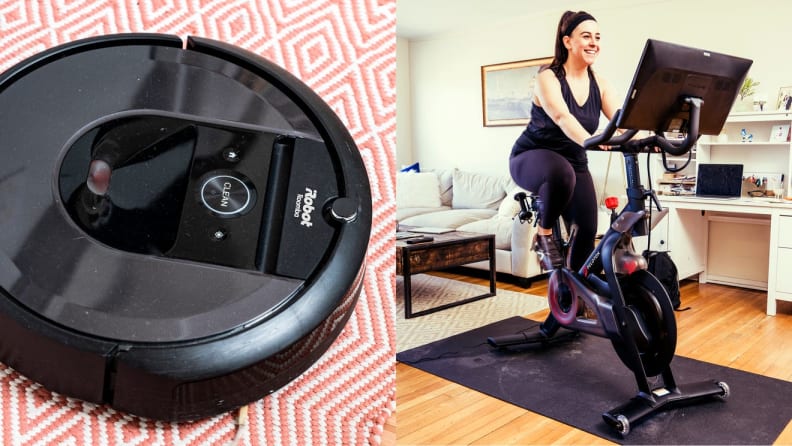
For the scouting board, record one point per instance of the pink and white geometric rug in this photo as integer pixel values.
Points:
(345, 50)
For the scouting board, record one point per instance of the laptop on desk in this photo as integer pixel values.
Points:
(722, 181)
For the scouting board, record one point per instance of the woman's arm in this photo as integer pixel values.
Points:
(548, 95)
(610, 102)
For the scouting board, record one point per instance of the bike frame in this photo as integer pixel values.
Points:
(614, 254)
(642, 328)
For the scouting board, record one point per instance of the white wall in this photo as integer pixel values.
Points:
(404, 152)
(444, 118)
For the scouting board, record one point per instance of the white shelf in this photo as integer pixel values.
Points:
(759, 116)
(760, 155)
(700, 233)
(747, 144)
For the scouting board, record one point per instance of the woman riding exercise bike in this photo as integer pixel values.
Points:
(629, 305)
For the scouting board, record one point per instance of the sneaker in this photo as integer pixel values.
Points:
(545, 247)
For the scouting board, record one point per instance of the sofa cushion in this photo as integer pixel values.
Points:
(404, 213)
(477, 191)
(417, 190)
(453, 218)
(500, 226)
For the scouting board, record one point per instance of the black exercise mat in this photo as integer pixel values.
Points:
(575, 382)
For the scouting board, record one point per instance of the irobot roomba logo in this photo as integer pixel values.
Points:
(304, 206)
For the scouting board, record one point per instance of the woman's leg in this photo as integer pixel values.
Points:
(549, 176)
(582, 211)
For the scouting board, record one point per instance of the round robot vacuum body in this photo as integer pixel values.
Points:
(184, 224)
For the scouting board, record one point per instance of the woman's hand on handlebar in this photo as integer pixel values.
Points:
(637, 142)
(616, 133)
(605, 147)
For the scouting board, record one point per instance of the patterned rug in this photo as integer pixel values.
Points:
(430, 291)
(345, 51)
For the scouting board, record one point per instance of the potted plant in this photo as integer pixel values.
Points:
(747, 89)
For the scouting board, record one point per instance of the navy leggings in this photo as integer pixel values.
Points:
(563, 192)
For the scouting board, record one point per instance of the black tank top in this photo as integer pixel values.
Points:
(543, 133)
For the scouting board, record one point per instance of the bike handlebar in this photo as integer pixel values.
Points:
(624, 143)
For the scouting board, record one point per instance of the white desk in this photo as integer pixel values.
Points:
(688, 233)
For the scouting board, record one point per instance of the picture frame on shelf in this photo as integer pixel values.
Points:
(780, 133)
(507, 91)
(784, 102)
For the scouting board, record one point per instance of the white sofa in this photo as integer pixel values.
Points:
(473, 202)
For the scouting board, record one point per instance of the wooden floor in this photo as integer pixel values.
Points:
(725, 325)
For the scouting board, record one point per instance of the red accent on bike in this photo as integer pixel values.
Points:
(630, 266)
(612, 202)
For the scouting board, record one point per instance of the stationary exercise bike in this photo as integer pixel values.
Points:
(631, 306)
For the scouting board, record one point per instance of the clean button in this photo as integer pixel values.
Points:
(225, 195)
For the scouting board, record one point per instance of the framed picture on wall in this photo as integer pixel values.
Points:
(507, 91)
(784, 102)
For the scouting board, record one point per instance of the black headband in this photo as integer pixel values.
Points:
(577, 21)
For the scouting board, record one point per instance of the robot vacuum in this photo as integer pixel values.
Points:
(184, 224)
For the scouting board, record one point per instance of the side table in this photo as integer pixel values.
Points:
(446, 250)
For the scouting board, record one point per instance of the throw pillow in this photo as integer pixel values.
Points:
(509, 207)
(414, 167)
(477, 191)
(446, 177)
(417, 190)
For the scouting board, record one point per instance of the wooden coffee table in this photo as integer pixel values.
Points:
(446, 250)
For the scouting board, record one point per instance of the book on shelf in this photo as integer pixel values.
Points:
(780, 133)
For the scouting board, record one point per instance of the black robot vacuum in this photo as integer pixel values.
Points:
(184, 224)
